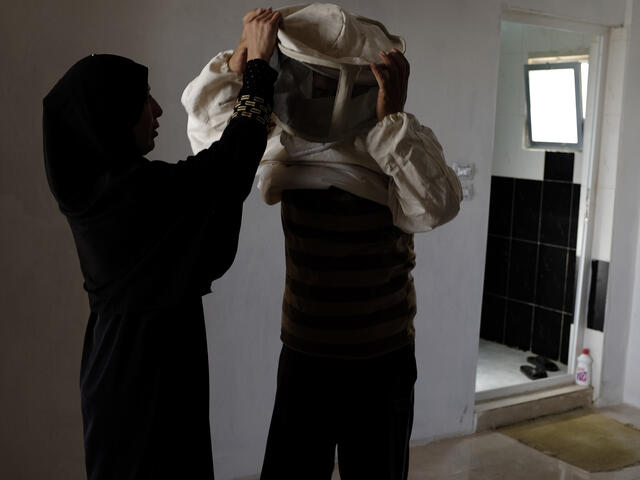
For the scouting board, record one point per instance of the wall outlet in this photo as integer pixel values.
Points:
(467, 191)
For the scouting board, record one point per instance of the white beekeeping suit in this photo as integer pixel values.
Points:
(333, 139)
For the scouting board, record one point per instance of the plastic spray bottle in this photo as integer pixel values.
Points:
(583, 370)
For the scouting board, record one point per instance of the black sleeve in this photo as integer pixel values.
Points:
(218, 245)
(223, 174)
(217, 180)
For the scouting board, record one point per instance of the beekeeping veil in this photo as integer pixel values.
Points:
(325, 90)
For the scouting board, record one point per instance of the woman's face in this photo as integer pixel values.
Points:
(145, 129)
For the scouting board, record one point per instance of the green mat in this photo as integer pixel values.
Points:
(590, 441)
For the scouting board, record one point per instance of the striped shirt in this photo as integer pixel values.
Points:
(349, 292)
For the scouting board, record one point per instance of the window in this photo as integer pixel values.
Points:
(554, 97)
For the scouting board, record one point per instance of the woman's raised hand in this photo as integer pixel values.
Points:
(262, 33)
(259, 34)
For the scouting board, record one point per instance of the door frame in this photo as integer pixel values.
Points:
(590, 158)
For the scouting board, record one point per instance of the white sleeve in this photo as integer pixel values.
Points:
(209, 99)
(424, 192)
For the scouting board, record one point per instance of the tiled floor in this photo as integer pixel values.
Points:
(499, 366)
(493, 456)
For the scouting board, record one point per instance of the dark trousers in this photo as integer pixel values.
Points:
(364, 408)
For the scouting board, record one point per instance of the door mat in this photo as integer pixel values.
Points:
(587, 440)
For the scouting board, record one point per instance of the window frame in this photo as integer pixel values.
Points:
(555, 146)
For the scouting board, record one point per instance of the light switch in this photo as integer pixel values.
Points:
(464, 172)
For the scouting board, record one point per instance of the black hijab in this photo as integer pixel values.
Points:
(146, 232)
(88, 124)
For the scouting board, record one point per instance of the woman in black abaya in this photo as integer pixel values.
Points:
(151, 237)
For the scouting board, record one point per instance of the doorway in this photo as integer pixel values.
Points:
(534, 287)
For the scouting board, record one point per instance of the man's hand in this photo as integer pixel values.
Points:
(259, 33)
(393, 79)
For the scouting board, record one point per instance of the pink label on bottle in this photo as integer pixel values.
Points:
(582, 376)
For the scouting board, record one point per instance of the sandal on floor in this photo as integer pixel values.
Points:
(533, 373)
(542, 363)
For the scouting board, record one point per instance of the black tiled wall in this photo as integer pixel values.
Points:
(530, 266)
(597, 294)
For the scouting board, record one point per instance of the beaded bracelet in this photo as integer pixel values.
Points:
(252, 106)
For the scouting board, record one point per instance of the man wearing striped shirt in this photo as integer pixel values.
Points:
(356, 177)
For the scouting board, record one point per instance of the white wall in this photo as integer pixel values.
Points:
(609, 138)
(453, 47)
(620, 377)
(518, 43)
(603, 213)
(626, 237)
(603, 12)
(631, 392)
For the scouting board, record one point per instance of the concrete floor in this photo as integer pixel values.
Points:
(491, 455)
